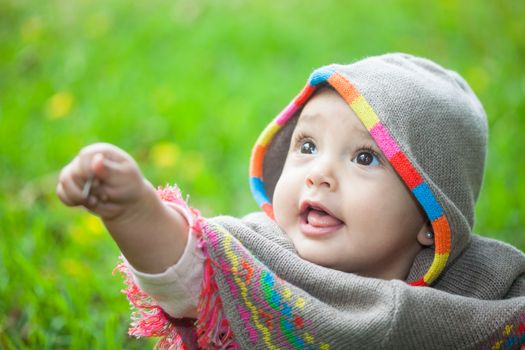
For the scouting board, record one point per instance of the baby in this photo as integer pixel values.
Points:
(368, 182)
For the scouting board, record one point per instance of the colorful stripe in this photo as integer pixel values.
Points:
(259, 151)
(256, 168)
(406, 171)
(381, 134)
(511, 336)
(268, 134)
(258, 191)
(270, 311)
(388, 145)
(253, 314)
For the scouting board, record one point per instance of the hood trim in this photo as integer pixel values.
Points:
(399, 161)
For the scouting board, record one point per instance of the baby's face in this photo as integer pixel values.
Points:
(340, 201)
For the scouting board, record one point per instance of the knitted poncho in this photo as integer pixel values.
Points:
(465, 292)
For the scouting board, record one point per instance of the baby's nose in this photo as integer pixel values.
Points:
(322, 176)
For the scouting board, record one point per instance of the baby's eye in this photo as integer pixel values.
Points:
(366, 158)
(308, 147)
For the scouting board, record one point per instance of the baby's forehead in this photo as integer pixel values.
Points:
(310, 122)
(320, 119)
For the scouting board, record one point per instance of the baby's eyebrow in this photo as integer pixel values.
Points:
(310, 119)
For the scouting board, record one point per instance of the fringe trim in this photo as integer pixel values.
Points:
(149, 320)
(211, 330)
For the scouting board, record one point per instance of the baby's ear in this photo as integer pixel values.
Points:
(425, 236)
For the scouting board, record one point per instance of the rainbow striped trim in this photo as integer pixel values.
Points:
(272, 311)
(385, 142)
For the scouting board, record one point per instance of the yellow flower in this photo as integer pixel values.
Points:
(74, 268)
(59, 105)
(165, 154)
(93, 225)
(87, 230)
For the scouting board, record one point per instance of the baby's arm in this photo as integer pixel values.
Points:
(151, 235)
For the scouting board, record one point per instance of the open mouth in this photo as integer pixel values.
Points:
(316, 220)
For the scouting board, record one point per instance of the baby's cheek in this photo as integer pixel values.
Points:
(278, 208)
(281, 204)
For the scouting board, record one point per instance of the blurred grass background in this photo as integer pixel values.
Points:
(186, 86)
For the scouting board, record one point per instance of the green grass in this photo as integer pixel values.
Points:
(185, 86)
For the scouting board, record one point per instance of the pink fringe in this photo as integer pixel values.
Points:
(211, 330)
(149, 320)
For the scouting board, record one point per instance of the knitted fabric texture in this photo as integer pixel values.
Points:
(257, 293)
(429, 125)
(275, 300)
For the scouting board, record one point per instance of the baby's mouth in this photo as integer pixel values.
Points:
(316, 220)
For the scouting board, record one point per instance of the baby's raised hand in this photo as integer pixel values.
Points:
(104, 179)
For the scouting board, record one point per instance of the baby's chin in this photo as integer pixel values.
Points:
(325, 253)
(319, 257)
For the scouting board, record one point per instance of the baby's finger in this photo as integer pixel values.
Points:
(69, 193)
(108, 150)
(109, 171)
(100, 166)
(62, 195)
(92, 171)
(78, 174)
(74, 172)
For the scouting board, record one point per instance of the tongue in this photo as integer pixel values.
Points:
(320, 218)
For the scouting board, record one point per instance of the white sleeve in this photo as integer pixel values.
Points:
(177, 289)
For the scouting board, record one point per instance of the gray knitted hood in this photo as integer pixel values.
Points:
(429, 125)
